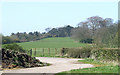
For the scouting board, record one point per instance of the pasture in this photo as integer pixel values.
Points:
(50, 46)
(57, 42)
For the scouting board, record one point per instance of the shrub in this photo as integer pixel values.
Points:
(14, 47)
(86, 40)
(64, 51)
(78, 52)
(105, 55)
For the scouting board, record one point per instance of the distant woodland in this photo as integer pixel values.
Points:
(94, 30)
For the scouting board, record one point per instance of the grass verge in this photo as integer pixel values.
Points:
(95, 63)
(99, 68)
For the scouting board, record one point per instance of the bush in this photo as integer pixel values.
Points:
(64, 51)
(105, 55)
(87, 41)
(78, 52)
(14, 47)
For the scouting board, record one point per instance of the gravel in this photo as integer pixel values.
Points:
(58, 65)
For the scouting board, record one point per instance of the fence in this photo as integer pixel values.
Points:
(44, 52)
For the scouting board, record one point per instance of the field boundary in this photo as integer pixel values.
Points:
(44, 52)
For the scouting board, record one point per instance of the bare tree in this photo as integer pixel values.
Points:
(48, 29)
(106, 22)
(102, 31)
(82, 32)
(106, 35)
(94, 23)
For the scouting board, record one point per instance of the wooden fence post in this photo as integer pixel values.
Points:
(49, 51)
(35, 52)
(31, 52)
(56, 51)
(28, 52)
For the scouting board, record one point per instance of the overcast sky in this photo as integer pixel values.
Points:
(36, 16)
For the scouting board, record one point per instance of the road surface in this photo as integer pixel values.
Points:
(58, 65)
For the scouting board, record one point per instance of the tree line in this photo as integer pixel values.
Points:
(95, 29)
(34, 36)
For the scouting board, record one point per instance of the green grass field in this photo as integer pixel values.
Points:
(52, 43)
(60, 42)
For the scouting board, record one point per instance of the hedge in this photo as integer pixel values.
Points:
(100, 54)
(106, 55)
(84, 52)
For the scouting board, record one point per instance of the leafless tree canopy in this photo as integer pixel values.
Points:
(96, 28)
